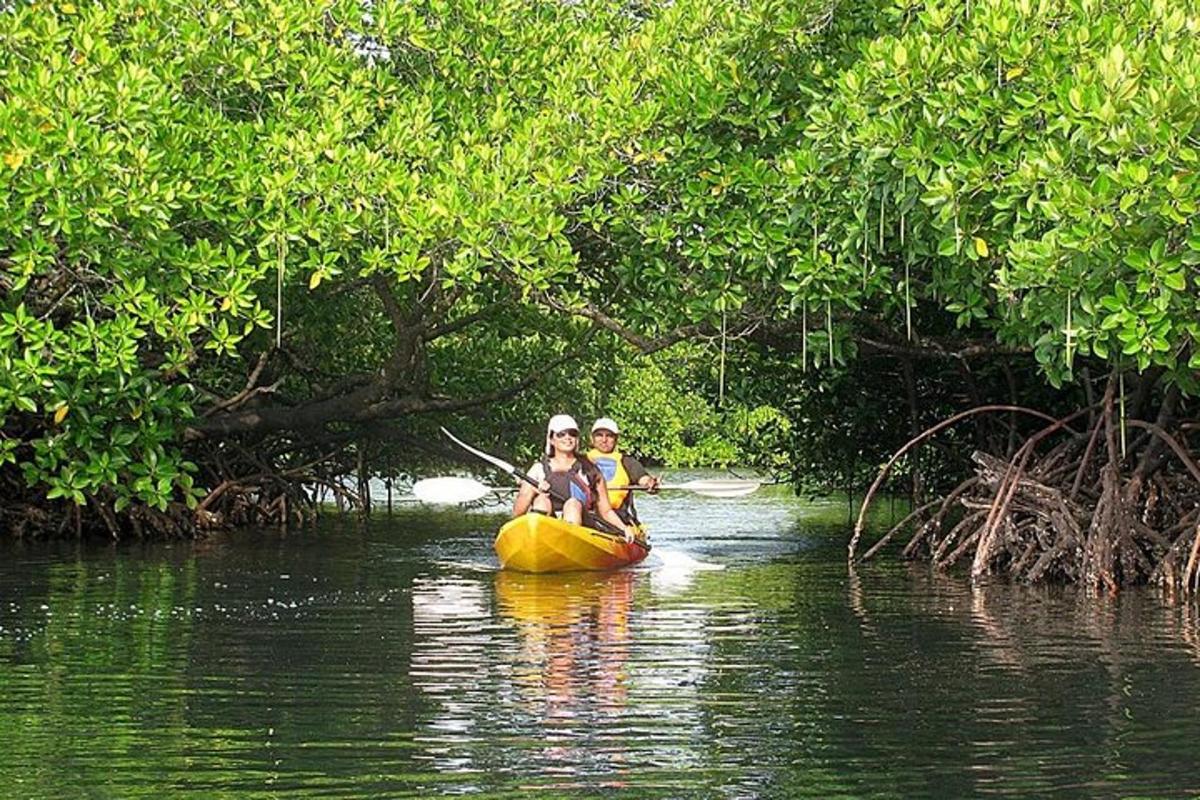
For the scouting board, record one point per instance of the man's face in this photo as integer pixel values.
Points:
(604, 441)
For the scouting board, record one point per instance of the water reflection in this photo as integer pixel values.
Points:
(391, 662)
(570, 669)
(574, 639)
(450, 647)
(1033, 690)
(540, 658)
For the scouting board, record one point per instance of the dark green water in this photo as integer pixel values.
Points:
(394, 660)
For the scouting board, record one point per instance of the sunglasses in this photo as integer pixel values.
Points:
(566, 434)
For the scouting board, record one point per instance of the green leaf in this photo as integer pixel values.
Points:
(1138, 259)
(1175, 280)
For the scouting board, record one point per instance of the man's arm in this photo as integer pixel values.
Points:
(604, 510)
(638, 474)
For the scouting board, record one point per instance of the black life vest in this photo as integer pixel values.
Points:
(578, 482)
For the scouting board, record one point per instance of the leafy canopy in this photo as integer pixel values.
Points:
(176, 177)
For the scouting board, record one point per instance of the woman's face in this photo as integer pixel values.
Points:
(565, 441)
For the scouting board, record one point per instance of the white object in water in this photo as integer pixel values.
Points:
(451, 490)
(677, 560)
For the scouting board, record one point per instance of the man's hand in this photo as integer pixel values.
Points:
(653, 484)
(630, 533)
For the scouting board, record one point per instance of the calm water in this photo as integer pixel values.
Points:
(740, 661)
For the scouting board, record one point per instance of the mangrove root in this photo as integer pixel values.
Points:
(1070, 505)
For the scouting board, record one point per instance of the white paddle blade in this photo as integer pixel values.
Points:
(448, 491)
(719, 488)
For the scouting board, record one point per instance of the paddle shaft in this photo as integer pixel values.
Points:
(519, 475)
(636, 487)
(711, 488)
(602, 525)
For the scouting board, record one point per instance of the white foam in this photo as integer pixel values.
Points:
(677, 560)
(675, 570)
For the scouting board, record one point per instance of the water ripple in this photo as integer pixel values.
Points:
(741, 660)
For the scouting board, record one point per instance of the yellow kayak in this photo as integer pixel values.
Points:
(541, 543)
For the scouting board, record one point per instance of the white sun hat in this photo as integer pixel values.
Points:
(605, 424)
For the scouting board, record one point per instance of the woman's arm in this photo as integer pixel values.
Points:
(524, 499)
(527, 492)
(605, 510)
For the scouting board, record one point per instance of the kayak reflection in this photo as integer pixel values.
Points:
(542, 664)
(574, 638)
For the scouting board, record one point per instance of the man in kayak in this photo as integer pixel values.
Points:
(618, 468)
(568, 486)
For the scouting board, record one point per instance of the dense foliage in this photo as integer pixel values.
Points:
(1030, 168)
(245, 247)
(358, 197)
(1038, 161)
(963, 188)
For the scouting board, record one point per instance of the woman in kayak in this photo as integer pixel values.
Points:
(568, 486)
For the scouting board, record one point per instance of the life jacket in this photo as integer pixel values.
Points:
(612, 467)
(578, 482)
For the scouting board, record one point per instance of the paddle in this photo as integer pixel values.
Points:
(450, 490)
(501, 464)
(716, 487)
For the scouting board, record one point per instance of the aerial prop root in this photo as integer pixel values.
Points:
(1078, 511)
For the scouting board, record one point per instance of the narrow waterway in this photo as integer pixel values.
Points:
(741, 660)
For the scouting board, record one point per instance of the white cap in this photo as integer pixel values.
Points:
(605, 424)
(559, 422)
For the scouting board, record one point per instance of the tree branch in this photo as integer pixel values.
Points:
(437, 331)
(400, 321)
(419, 405)
(931, 348)
(362, 405)
(249, 390)
(643, 343)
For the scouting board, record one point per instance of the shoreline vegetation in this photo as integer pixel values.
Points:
(952, 248)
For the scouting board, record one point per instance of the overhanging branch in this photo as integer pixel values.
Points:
(362, 405)
(446, 328)
(930, 348)
(643, 343)
(425, 405)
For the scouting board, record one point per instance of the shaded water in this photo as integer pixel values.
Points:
(742, 660)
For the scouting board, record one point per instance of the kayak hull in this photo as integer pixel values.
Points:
(541, 543)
